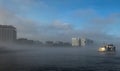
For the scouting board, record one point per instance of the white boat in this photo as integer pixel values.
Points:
(107, 48)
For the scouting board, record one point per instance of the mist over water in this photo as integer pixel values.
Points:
(29, 29)
(37, 58)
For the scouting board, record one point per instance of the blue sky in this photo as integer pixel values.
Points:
(95, 16)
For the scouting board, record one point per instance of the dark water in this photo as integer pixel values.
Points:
(58, 59)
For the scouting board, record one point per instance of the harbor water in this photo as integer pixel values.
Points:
(58, 59)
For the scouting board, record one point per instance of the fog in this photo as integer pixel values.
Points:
(55, 20)
(30, 58)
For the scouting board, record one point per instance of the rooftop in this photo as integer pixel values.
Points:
(7, 26)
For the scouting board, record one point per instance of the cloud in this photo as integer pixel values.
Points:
(57, 30)
(61, 25)
(109, 19)
(24, 26)
(96, 25)
(105, 24)
(94, 21)
(34, 30)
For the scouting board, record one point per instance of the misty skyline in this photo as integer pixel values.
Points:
(63, 19)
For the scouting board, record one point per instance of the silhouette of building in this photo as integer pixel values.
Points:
(49, 43)
(57, 43)
(28, 42)
(7, 33)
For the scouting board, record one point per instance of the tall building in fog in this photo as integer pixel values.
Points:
(7, 33)
(76, 42)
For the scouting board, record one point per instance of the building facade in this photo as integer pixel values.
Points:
(85, 41)
(7, 33)
(76, 42)
(81, 42)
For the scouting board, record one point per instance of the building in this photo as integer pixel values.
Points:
(24, 41)
(49, 43)
(76, 42)
(59, 43)
(7, 33)
(28, 42)
(81, 42)
(85, 41)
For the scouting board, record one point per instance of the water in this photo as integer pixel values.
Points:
(58, 59)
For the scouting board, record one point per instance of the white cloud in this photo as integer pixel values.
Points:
(61, 25)
(34, 30)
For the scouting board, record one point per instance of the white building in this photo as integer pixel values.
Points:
(85, 41)
(81, 42)
(76, 42)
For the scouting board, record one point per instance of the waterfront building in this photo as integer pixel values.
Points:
(7, 33)
(27, 41)
(76, 42)
(85, 41)
(49, 43)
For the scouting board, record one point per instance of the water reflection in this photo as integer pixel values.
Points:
(108, 53)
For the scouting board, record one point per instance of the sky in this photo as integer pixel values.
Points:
(60, 20)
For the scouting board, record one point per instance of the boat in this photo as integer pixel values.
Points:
(107, 48)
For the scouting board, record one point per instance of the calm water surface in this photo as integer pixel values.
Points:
(58, 59)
